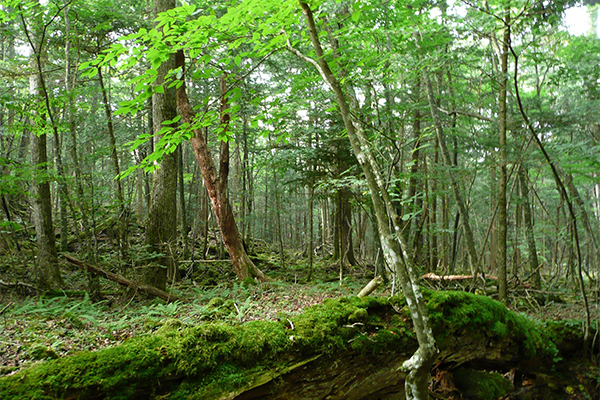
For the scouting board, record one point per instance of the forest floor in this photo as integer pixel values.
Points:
(34, 328)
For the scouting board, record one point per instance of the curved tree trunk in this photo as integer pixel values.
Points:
(393, 246)
(216, 184)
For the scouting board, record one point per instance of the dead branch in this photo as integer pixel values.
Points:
(371, 286)
(121, 280)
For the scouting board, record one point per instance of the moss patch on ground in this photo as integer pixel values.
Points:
(481, 385)
(204, 361)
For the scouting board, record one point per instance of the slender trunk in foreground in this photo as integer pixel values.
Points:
(394, 249)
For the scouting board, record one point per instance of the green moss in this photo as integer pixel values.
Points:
(41, 352)
(169, 327)
(452, 312)
(360, 315)
(203, 361)
(215, 302)
(116, 372)
(567, 335)
(248, 281)
(481, 385)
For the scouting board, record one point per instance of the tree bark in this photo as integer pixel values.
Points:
(393, 247)
(161, 225)
(501, 259)
(216, 185)
(46, 267)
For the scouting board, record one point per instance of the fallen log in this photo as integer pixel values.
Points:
(348, 348)
(434, 277)
(122, 280)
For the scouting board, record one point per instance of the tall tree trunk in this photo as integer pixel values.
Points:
(93, 281)
(392, 244)
(46, 267)
(311, 235)
(245, 198)
(324, 222)
(47, 271)
(279, 232)
(412, 203)
(114, 157)
(433, 216)
(182, 206)
(502, 184)
(216, 185)
(161, 226)
(456, 189)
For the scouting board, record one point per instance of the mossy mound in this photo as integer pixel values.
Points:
(467, 314)
(206, 361)
(481, 385)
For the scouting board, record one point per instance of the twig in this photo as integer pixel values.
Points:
(8, 305)
(354, 325)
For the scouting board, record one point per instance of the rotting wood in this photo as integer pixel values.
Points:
(323, 356)
(122, 280)
(20, 286)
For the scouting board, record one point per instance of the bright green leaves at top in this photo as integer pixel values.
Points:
(215, 38)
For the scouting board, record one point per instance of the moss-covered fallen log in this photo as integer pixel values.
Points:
(348, 348)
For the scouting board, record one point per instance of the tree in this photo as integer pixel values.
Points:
(161, 225)
(47, 270)
(216, 183)
(392, 244)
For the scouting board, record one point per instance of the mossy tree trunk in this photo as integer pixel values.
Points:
(316, 355)
(388, 221)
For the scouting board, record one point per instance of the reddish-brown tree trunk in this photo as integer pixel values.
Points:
(216, 185)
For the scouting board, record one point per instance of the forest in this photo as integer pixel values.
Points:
(299, 199)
